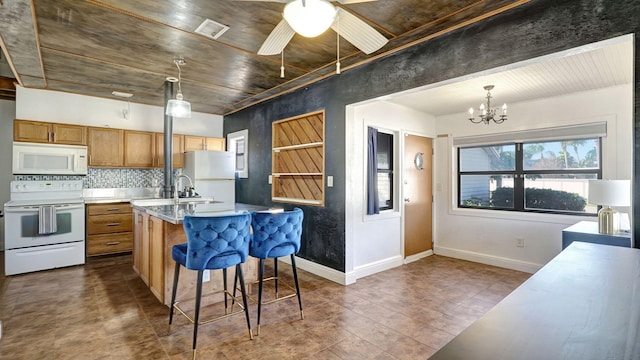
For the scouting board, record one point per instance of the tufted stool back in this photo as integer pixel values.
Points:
(214, 242)
(276, 234)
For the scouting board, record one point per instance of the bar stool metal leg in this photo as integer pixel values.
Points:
(295, 278)
(196, 318)
(176, 274)
(260, 281)
(244, 298)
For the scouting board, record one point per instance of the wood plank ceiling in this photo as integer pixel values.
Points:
(94, 47)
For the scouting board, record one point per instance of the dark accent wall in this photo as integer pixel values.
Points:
(537, 28)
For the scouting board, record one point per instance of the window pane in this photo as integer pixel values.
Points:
(494, 191)
(488, 158)
(565, 192)
(568, 154)
(385, 154)
(240, 146)
(385, 201)
(239, 162)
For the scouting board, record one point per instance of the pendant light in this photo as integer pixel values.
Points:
(178, 107)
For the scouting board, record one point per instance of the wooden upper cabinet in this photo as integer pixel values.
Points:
(106, 147)
(178, 150)
(43, 132)
(214, 144)
(139, 149)
(192, 143)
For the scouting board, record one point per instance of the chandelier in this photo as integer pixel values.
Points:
(487, 114)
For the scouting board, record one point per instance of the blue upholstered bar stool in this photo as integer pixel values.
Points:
(276, 234)
(216, 242)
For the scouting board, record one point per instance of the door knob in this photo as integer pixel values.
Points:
(407, 200)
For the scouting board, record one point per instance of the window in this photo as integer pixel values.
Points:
(538, 176)
(238, 142)
(384, 161)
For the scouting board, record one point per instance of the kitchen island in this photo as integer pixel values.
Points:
(157, 227)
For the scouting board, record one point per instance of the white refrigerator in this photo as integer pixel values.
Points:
(213, 175)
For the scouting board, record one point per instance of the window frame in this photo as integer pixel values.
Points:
(519, 175)
(390, 172)
(232, 139)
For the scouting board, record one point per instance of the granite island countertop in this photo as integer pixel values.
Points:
(174, 213)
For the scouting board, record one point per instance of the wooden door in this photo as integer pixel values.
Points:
(31, 131)
(106, 147)
(145, 240)
(137, 240)
(69, 134)
(418, 195)
(212, 143)
(139, 149)
(177, 150)
(156, 257)
(192, 143)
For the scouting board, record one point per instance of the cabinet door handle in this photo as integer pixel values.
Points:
(110, 243)
(113, 209)
(53, 137)
(113, 224)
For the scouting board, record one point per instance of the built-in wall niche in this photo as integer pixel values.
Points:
(298, 159)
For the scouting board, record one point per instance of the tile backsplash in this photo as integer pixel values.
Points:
(98, 178)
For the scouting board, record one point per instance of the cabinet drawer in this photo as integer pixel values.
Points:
(107, 224)
(109, 243)
(103, 209)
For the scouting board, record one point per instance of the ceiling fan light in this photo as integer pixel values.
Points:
(311, 18)
(178, 107)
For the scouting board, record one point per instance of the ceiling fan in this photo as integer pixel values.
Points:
(299, 14)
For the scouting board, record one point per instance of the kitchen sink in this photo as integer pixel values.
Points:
(160, 202)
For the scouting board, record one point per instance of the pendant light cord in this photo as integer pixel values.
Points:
(179, 76)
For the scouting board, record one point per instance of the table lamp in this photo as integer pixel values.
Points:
(609, 193)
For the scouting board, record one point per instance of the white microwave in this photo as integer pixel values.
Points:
(49, 159)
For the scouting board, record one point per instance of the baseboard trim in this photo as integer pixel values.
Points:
(418, 256)
(374, 267)
(317, 269)
(502, 262)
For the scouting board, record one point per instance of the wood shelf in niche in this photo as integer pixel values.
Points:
(298, 159)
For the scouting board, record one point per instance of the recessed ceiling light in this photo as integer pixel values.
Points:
(121, 94)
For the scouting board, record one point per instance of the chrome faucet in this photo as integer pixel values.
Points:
(175, 193)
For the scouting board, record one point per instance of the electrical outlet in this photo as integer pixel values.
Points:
(206, 276)
(520, 242)
(270, 179)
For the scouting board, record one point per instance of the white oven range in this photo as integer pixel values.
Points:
(44, 226)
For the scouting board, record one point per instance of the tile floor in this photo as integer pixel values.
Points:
(102, 310)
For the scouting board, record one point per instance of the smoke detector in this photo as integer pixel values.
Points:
(211, 29)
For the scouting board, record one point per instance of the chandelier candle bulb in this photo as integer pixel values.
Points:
(488, 114)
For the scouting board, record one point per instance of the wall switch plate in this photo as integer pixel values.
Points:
(520, 242)
(329, 181)
(270, 179)
(206, 276)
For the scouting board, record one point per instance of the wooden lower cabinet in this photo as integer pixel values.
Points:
(109, 229)
(152, 256)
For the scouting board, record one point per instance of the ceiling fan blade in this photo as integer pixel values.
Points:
(277, 40)
(347, 2)
(358, 32)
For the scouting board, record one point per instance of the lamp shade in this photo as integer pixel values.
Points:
(610, 192)
(311, 18)
(178, 108)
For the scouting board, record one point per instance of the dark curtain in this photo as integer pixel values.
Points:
(373, 207)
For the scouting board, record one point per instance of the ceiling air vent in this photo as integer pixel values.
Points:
(212, 29)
